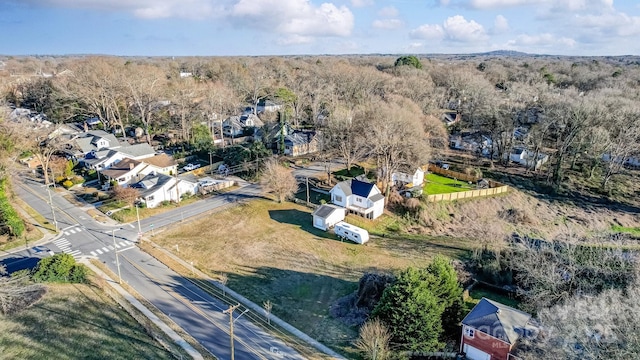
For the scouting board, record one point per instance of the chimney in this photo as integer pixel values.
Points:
(131, 166)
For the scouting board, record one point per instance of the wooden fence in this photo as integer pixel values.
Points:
(468, 194)
(494, 186)
(452, 174)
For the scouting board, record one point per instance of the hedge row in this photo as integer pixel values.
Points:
(9, 218)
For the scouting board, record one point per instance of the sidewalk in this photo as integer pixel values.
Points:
(146, 312)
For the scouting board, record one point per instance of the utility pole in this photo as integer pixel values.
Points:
(115, 249)
(230, 312)
(307, 191)
(210, 163)
(138, 216)
(53, 213)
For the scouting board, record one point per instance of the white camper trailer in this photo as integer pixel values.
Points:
(350, 232)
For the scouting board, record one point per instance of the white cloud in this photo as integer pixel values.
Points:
(428, 32)
(571, 5)
(148, 9)
(388, 24)
(294, 17)
(294, 40)
(388, 12)
(361, 3)
(458, 28)
(545, 40)
(489, 4)
(618, 24)
(500, 25)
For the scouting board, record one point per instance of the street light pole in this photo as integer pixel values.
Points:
(138, 216)
(53, 213)
(115, 249)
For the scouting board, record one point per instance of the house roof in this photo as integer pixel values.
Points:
(121, 168)
(137, 150)
(233, 122)
(86, 141)
(297, 138)
(377, 197)
(151, 183)
(325, 210)
(361, 188)
(251, 120)
(345, 186)
(498, 320)
(517, 151)
(161, 161)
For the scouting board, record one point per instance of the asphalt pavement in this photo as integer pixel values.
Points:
(186, 304)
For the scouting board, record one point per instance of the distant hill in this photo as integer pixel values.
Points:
(503, 53)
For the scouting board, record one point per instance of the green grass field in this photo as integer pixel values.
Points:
(634, 231)
(436, 184)
(76, 322)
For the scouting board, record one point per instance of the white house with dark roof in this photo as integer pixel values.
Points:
(105, 158)
(157, 188)
(407, 178)
(491, 329)
(126, 172)
(327, 215)
(358, 197)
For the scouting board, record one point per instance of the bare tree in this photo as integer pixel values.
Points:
(18, 292)
(373, 341)
(127, 194)
(223, 279)
(396, 138)
(144, 85)
(278, 180)
(345, 131)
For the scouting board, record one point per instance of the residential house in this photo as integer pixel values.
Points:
(406, 179)
(163, 163)
(491, 330)
(126, 171)
(327, 215)
(157, 188)
(472, 143)
(358, 197)
(89, 142)
(104, 159)
(237, 126)
(300, 143)
(528, 158)
(265, 105)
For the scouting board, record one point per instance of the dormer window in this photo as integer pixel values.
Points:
(469, 332)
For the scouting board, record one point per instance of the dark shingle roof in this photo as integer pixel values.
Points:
(325, 210)
(361, 188)
(377, 197)
(498, 320)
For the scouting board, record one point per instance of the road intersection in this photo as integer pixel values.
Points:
(186, 304)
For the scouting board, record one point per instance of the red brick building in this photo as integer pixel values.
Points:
(490, 331)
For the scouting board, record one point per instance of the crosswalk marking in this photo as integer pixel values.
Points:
(64, 245)
(72, 231)
(105, 249)
(99, 251)
(111, 247)
(93, 253)
(117, 246)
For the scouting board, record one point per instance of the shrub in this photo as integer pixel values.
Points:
(67, 184)
(60, 268)
(12, 221)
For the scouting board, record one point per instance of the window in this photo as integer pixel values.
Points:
(359, 200)
(150, 198)
(469, 332)
(338, 198)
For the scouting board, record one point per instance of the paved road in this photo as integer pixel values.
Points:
(195, 311)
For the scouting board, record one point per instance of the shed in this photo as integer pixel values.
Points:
(328, 215)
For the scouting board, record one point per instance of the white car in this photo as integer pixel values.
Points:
(190, 167)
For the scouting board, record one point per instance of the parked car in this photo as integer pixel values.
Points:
(191, 166)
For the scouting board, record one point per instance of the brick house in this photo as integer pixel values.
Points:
(490, 331)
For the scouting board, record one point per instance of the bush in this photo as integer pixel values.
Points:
(60, 268)
(8, 215)
(67, 184)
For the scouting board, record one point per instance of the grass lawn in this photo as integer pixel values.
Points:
(436, 184)
(356, 170)
(76, 322)
(634, 231)
(129, 214)
(271, 251)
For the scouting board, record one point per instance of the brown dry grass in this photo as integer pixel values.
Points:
(270, 251)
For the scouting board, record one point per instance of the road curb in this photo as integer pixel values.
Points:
(147, 313)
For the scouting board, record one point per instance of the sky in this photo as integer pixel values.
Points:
(310, 27)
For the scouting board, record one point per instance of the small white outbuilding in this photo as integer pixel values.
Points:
(328, 215)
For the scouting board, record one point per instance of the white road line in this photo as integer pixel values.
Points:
(98, 251)
(78, 229)
(128, 242)
(124, 243)
(72, 231)
(105, 249)
(111, 247)
(93, 253)
(117, 246)
(67, 233)
(127, 248)
(74, 252)
(133, 227)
